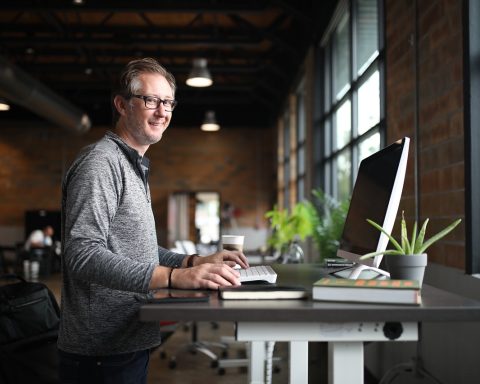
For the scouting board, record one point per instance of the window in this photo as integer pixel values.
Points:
(348, 123)
(287, 159)
(292, 150)
(301, 138)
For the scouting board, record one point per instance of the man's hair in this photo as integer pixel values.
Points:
(128, 83)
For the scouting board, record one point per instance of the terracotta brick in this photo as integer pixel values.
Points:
(237, 163)
(441, 125)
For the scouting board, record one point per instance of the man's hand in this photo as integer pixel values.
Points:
(204, 276)
(208, 272)
(231, 258)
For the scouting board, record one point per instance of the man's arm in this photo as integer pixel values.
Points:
(91, 197)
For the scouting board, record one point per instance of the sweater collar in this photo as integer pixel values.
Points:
(131, 153)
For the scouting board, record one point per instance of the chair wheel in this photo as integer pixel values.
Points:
(221, 371)
(224, 354)
(214, 364)
(172, 364)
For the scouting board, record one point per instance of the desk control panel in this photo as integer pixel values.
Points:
(351, 331)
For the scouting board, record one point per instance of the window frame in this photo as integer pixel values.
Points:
(327, 104)
(472, 135)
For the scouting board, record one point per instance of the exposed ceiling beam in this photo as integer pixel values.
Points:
(79, 67)
(151, 6)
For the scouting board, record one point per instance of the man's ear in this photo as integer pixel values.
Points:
(120, 104)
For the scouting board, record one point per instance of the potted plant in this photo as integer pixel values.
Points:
(287, 228)
(327, 216)
(408, 260)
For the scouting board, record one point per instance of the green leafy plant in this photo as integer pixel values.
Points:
(287, 227)
(416, 244)
(327, 216)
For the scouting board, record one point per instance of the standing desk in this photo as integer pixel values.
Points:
(344, 326)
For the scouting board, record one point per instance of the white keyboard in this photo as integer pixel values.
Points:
(258, 273)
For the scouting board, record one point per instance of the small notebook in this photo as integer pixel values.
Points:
(262, 292)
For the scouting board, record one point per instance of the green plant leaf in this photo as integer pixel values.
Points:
(405, 242)
(414, 237)
(439, 235)
(421, 236)
(387, 252)
(414, 246)
(286, 227)
(327, 217)
(391, 238)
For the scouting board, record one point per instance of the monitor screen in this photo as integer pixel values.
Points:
(376, 196)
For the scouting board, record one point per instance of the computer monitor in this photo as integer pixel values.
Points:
(376, 196)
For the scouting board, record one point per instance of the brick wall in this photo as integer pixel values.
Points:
(237, 163)
(441, 186)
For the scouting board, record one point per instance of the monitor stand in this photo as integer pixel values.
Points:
(361, 271)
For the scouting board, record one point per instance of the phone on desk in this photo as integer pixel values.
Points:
(164, 297)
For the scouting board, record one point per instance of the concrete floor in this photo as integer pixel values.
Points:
(197, 368)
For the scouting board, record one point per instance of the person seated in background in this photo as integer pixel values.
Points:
(37, 258)
(40, 238)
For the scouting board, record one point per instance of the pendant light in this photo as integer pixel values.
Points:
(4, 106)
(199, 75)
(210, 123)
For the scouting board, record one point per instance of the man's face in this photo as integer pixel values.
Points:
(49, 231)
(146, 126)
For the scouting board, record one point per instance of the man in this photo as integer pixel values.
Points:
(37, 252)
(40, 238)
(110, 251)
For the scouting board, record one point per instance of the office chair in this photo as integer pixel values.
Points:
(243, 362)
(195, 345)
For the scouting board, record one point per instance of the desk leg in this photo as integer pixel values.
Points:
(256, 364)
(298, 362)
(345, 362)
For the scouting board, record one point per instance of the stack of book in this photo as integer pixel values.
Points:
(367, 291)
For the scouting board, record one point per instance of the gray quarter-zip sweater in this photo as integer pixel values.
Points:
(110, 249)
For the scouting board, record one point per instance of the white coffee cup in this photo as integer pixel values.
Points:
(233, 242)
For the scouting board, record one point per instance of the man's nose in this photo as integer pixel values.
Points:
(161, 110)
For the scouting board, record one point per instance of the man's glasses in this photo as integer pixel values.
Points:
(152, 102)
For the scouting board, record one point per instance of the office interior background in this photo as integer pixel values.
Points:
(302, 91)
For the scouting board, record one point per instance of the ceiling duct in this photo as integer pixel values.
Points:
(24, 90)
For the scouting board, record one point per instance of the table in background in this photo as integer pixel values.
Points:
(344, 326)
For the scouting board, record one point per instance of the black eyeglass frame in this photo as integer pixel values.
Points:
(159, 101)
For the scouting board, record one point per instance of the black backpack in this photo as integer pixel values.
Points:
(29, 320)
